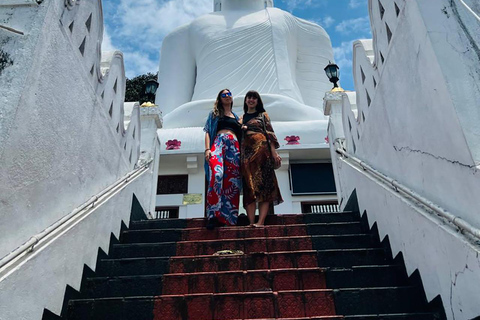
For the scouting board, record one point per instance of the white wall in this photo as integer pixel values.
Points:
(40, 281)
(59, 143)
(62, 141)
(449, 265)
(176, 164)
(424, 141)
(415, 119)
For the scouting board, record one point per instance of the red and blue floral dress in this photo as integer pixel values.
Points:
(223, 174)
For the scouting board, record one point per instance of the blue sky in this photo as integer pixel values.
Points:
(137, 28)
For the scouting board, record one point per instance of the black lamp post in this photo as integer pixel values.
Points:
(333, 73)
(151, 89)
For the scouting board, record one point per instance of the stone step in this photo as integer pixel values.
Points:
(244, 281)
(162, 224)
(331, 217)
(284, 219)
(366, 277)
(151, 236)
(123, 286)
(253, 261)
(247, 245)
(353, 257)
(248, 305)
(132, 266)
(234, 233)
(137, 250)
(132, 308)
(395, 316)
(240, 281)
(365, 301)
(347, 241)
(335, 228)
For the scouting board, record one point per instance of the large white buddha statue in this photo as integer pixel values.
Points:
(244, 45)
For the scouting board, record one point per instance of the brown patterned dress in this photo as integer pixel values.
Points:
(259, 180)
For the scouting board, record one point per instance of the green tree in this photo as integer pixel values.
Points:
(135, 88)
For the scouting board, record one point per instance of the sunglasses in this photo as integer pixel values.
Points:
(224, 95)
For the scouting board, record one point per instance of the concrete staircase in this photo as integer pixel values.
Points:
(313, 266)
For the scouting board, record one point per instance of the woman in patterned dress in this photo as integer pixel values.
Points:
(222, 162)
(258, 159)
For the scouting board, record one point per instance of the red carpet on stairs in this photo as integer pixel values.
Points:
(277, 277)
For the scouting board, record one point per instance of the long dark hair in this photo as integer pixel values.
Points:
(255, 94)
(218, 109)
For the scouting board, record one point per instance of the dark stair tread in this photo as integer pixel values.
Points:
(132, 266)
(344, 241)
(331, 216)
(353, 257)
(366, 276)
(403, 299)
(159, 224)
(335, 228)
(151, 236)
(396, 316)
(244, 281)
(182, 296)
(122, 286)
(138, 250)
(211, 256)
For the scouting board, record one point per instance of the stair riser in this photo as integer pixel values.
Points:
(378, 301)
(132, 268)
(355, 258)
(245, 306)
(200, 223)
(366, 277)
(407, 316)
(151, 236)
(114, 309)
(133, 287)
(331, 217)
(138, 251)
(158, 224)
(249, 262)
(244, 282)
(192, 248)
(245, 232)
(344, 242)
(335, 229)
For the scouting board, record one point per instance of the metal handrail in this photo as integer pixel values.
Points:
(458, 222)
(29, 246)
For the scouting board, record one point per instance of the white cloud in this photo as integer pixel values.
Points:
(327, 22)
(137, 62)
(357, 26)
(343, 55)
(138, 27)
(294, 4)
(107, 42)
(356, 3)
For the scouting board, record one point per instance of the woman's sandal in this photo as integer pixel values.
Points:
(258, 225)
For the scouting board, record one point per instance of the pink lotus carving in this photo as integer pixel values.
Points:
(173, 144)
(292, 139)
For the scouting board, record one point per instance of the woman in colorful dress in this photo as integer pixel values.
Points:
(222, 162)
(259, 157)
